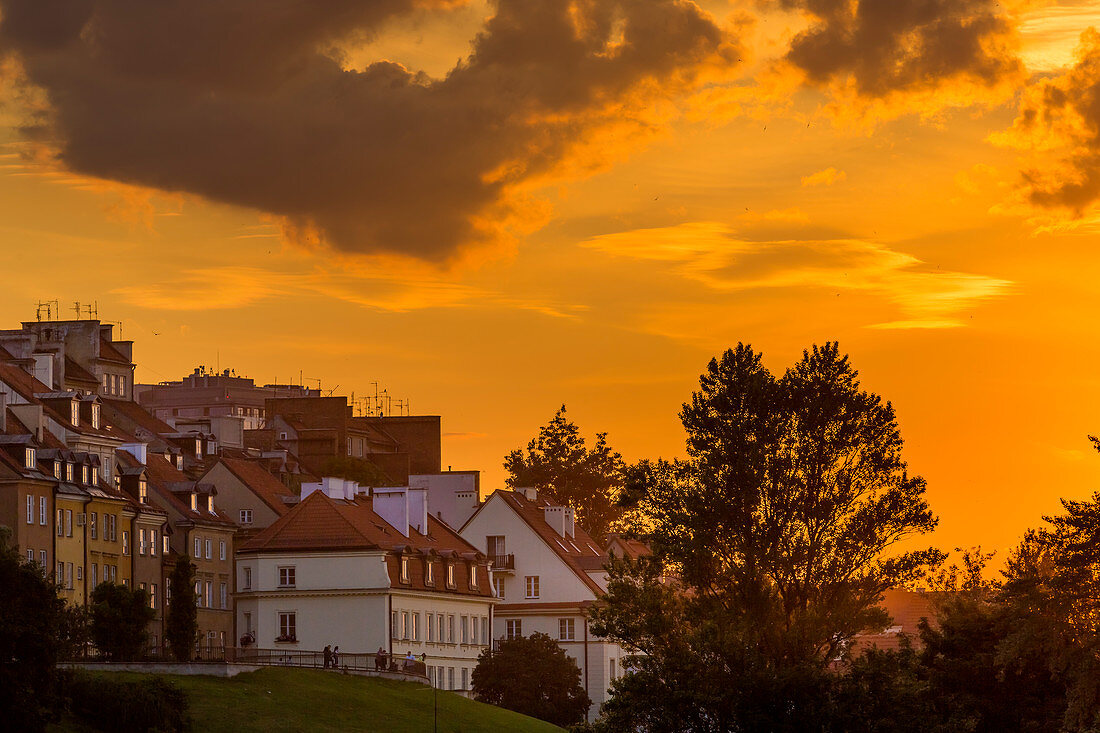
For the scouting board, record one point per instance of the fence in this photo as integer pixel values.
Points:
(268, 657)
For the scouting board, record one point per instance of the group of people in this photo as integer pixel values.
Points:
(332, 656)
(382, 656)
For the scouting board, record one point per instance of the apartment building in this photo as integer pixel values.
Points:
(367, 573)
(547, 572)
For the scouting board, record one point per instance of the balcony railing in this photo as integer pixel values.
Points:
(503, 562)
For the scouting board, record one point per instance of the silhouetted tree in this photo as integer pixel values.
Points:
(777, 530)
(30, 618)
(355, 469)
(532, 675)
(119, 617)
(181, 626)
(560, 464)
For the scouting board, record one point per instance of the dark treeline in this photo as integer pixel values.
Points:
(772, 545)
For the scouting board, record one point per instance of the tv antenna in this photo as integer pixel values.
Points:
(51, 307)
(91, 310)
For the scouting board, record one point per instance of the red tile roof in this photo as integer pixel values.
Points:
(579, 552)
(259, 481)
(164, 480)
(320, 523)
(136, 415)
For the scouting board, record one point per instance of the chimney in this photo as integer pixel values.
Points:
(569, 518)
(392, 504)
(418, 510)
(555, 517)
(32, 417)
(332, 487)
(530, 493)
(43, 369)
(140, 451)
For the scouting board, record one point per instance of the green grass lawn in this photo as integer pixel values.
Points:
(274, 700)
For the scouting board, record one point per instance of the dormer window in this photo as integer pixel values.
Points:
(95, 476)
(198, 449)
(179, 462)
(95, 415)
(143, 491)
(74, 413)
(28, 458)
(210, 503)
(404, 570)
(69, 469)
(194, 502)
(57, 470)
(84, 474)
(429, 575)
(473, 575)
(450, 575)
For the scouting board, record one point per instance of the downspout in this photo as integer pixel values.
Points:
(586, 653)
(389, 621)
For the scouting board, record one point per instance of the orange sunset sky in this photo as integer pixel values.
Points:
(493, 208)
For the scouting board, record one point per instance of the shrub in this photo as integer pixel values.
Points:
(111, 704)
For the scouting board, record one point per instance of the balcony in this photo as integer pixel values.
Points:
(503, 563)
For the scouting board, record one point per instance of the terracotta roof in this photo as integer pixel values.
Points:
(164, 480)
(74, 371)
(22, 382)
(134, 415)
(259, 481)
(906, 609)
(628, 547)
(508, 608)
(108, 352)
(320, 523)
(579, 552)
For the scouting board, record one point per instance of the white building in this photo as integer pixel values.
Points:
(546, 571)
(364, 573)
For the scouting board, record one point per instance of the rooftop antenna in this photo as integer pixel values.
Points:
(50, 306)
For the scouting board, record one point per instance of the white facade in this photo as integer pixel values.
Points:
(554, 604)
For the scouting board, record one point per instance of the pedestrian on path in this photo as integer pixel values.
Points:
(328, 656)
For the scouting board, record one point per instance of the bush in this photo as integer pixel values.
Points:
(111, 704)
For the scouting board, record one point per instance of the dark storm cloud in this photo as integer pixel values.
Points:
(898, 46)
(244, 102)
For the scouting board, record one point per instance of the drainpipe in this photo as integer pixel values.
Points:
(389, 620)
(586, 653)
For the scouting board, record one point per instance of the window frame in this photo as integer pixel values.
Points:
(287, 576)
(531, 586)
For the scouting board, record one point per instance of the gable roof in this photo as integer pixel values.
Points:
(259, 481)
(77, 373)
(580, 553)
(165, 481)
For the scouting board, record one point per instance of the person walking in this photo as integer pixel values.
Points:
(328, 656)
(336, 657)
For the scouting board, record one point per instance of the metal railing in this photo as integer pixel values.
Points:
(503, 562)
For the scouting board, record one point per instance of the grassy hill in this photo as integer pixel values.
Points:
(274, 700)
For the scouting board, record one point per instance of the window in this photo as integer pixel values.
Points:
(43, 511)
(248, 623)
(567, 630)
(450, 629)
(84, 475)
(198, 548)
(532, 584)
(141, 542)
(210, 503)
(513, 628)
(28, 458)
(74, 413)
(57, 470)
(431, 626)
(198, 448)
(246, 581)
(246, 516)
(58, 523)
(153, 595)
(92, 525)
(498, 586)
(30, 509)
(114, 573)
(404, 570)
(450, 678)
(198, 593)
(473, 575)
(429, 575)
(167, 548)
(69, 575)
(209, 594)
(194, 502)
(450, 575)
(69, 469)
(209, 549)
(415, 626)
(95, 415)
(404, 624)
(465, 677)
(223, 595)
(125, 542)
(143, 491)
(395, 629)
(464, 628)
(473, 629)
(30, 555)
(614, 674)
(221, 549)
(349, 446)
(440, 636)
(68, 522)
(122, 384)
(114, 527)
(93, 576)
(288, 626)
(484, 629)
(94, 476)
(286, 576)
(59, 576)
(80, 572)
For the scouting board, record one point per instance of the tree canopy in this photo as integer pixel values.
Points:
(119, 617)
(777, 530)
(532, 675)
(181, 626)
(559, 463)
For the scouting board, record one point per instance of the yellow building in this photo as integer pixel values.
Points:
(70, 524)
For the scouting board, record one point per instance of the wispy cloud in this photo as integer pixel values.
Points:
(711, 254)
(827, 177)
